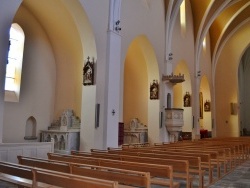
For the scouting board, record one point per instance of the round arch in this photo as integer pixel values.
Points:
(140, 70)
(179, 91)
(206, 120)
(226, 83)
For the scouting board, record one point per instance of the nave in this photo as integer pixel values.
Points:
(209, 163)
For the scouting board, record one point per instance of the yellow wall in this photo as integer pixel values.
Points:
(135, 86)
(206, 121)
(226, 86)
(179, 90)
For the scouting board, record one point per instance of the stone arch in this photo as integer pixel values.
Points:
(206, 121)
(140, 70)
(179, 90)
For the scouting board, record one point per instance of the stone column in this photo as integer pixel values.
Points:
(113, 72)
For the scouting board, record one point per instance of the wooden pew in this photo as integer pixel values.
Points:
(155, 170)
(205, 157)
(194, 162)
(203, 160)
(128, 177)
(40, 178)
(218, 155)
(224, 153)
(239, 149)
(16, 175)
(180, 167)
(234, 151)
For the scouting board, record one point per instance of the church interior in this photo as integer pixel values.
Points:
(98, 74)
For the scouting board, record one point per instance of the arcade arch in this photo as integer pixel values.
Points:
(140, 70)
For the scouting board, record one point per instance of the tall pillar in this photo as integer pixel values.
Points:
(7, 12)
(196, 104)
(113, 73)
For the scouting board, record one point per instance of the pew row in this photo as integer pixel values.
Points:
(218, 155)
(160, 174)
(24, 176)
(180, 167)
(209, 159)
(123, 177)
(194, 162)
(198, 161)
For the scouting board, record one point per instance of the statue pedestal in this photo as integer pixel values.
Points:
(174, 122)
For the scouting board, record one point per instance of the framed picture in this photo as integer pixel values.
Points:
(154, 90)
(88, 72)
(187, 100)
(207, 106)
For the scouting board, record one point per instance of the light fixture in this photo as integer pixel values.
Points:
(117, 27)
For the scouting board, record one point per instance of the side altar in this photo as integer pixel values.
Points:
(65, 132)
(137, 133)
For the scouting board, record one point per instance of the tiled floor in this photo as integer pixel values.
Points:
(239, 178)
(6, 185)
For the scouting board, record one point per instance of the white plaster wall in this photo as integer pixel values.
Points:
(136, 19)
(97, 12)
(38, 82)
(10, 151)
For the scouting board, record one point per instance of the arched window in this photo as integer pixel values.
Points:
(14, 65)
(204, 44)
(183, 17)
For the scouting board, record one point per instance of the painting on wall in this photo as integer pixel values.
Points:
(201, 105)
(88, 72)
(187, 99)
(207, 106)
(154, 90)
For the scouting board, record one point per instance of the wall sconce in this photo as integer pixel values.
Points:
(233, 108)
(198, 73)
(170, 56)
(117, 27)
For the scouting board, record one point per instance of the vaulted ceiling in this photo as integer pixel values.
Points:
(219, 18)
